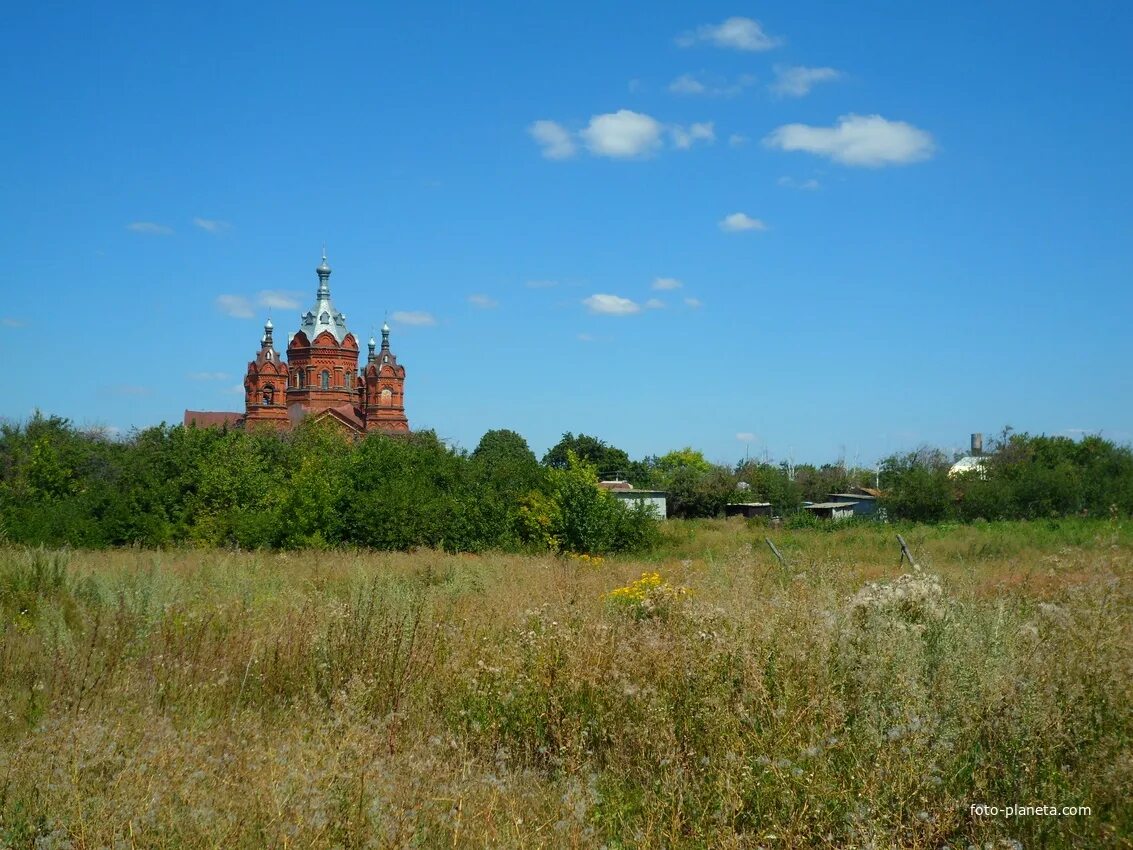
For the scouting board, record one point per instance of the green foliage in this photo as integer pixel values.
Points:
(606, 459)
(586, 518)
(1023, 477)
(699, 494)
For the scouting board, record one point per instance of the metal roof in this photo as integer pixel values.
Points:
(823, 505)
(323, 317)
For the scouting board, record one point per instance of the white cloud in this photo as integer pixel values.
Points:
(235, 306)
(687, 84)
(865, 140)
(666, 283)
(737, 140)
(622, 134)
(691, 85)
(413, 317)
(738, 222)
(234, 389)
(482, 301)
(694, 303)
(611, 305)
(210, 224)
(654, 304)
(9, 322)
(278, 299)
(808, 185)
(585, 338)
(798, 80)
(745, 436)
(209, 376)
(149, 228)
(553, 138)
(734, 33)
(541, 284)
(683, 138)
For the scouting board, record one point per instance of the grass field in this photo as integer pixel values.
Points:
(354, 699)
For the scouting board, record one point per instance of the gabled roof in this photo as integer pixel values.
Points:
(344, 414)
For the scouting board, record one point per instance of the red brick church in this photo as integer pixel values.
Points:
(320, 378)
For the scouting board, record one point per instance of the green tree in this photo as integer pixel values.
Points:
(606, 459)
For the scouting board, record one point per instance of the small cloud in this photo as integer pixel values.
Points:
(687, 84)
(745, 436)
(797, 80)
(208, 376)
(554, 139)
(737, 140)
(541, 284)
(235, 306)
(735, 34)
(665, 284)
(585, 338)
(684, 139)
(634, 85)
(694, 303)
(9, 322)
(622, 135)
(278, 299)
(739, 222)
(611, 305)
(654, 304)
(482, 301)
(149, 228)
(808, 185)
(859, 140)
(234, 389)
(211, 225)
(414, 317)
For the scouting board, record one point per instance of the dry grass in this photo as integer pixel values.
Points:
(214, 699)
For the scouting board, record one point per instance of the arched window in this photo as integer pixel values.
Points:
(269, 394)
(349, 382)
(324, 380)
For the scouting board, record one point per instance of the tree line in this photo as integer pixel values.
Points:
(226, 487)
(60, 485)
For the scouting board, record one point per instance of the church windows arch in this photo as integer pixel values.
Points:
(269, 395)
(324, 380)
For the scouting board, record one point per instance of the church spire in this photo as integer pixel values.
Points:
(385, 336)
(324, 277)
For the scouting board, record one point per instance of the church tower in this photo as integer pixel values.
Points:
(265, 387)
(322, 357)
(383, 388)
(319, 378)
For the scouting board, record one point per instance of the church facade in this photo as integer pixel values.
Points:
(319, 378)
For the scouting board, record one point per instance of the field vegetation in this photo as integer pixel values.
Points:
(698, 696)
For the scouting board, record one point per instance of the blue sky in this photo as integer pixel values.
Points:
(807, 229)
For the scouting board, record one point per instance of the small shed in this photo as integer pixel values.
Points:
(748, 509)
(831, 510)
(657, 500)
(864, 503)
